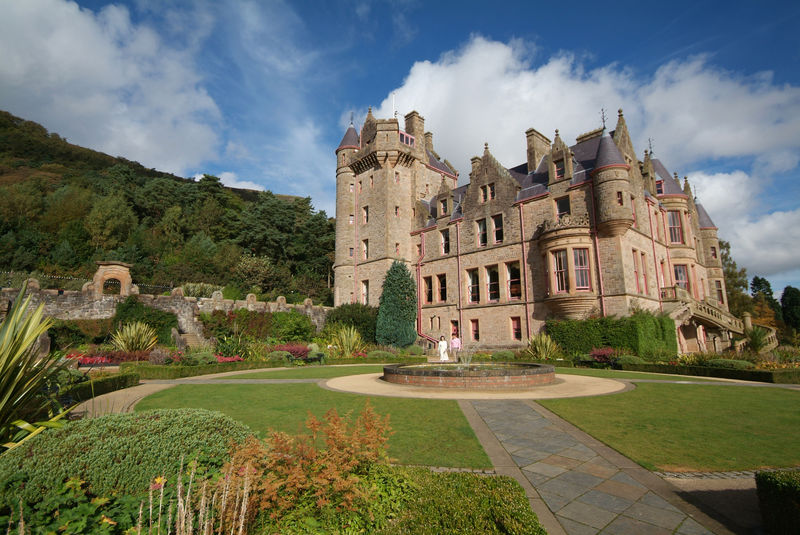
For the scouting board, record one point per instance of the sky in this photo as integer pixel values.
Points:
(260, 92)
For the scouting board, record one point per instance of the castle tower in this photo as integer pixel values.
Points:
(346, 195)
(612, 189)
(713, 257)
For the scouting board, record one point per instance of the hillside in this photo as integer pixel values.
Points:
(62, 207)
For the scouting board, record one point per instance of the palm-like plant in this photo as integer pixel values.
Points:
(542, 347)
(346, 340)
(22, 372)
(756, 339)
(136, 336)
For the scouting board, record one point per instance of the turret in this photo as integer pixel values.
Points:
(612, 189)
(345, 203)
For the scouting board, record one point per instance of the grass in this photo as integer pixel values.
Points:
(620, 374)
(309, 372)
(693, 427)
(426, 432)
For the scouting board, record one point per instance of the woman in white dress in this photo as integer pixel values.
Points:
(442, 349)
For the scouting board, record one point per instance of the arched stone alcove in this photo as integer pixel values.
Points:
(111, 270)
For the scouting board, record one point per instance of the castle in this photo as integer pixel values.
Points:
(575, 231)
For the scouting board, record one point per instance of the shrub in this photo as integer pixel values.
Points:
(397, 313)
(730, 363)
(199, 289)
(627, 359)
(317, 356)
(232, 292)
(465, 503)
(136, 336)
(779, 500)
(276, 356)
(379, 354)
(297, 351)
(345, 341)
(118, 453)
(292, 326)
(131, 310)
(503, 356)
(216, 324)
(358, 315)
(602, 355)
(415, 350)
(233, 346)
(72, 333)
(542, 347)
(96, 387)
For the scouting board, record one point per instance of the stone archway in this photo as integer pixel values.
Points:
(111, 270)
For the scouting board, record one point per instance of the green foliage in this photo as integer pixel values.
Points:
(415, 350)
(175, 371)
(231, 346)
(397, 312)
(279, 356)
(503, 356)
(779, 500)
(542, 347)
(790, 307)
(292, 326)
(465, 503)
(362, 317)
(199, 289)
(118, 453)
(66, 334)
(626, 359)
(136, 336)
(22, 373)
(730, 363)
(790, 376)
(260, 274)
(132, 311)
(756, 339)
(97, 387)
(218, 324)
(378, 354)
(650, 337)
(739, 301)
(345, 341)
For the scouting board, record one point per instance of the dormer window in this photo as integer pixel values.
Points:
(660, 187)
(560, 169)
(443, 207)
(405, 139)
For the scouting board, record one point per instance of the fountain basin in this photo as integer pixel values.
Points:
(480, 376)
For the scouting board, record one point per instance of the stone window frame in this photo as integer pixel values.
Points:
(473, 286)
(643, 257)
(675, 225)
(492, 276)
(683, 282)
(443, 207)
(560, 166)
(560, 271)
(481, 233)
(441, 282)
(475, 330)
(444, 235)
(365, 214)
(365, 248)
(510, 282)
(636, 270)
(427, 289)
(497, 231)
(720, 292)
(713, 252)
(365, 291)
(516, 328)
(559, 206)
(492, 191)
(582, 270)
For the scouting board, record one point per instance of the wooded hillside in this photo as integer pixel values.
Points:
(62, 207)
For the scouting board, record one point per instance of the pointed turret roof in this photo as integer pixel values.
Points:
(350, 139)
(703, 219)
(608, 154)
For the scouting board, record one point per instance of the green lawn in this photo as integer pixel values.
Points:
(620, 374)
(309, 372)
(693, 427)
(426, 432)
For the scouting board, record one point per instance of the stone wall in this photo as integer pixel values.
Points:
(84, 305)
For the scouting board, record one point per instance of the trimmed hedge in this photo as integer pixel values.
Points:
(369, 360)
(779, 501)
(730, 363)
(97, 387)
(118, 453)
(155, 371)
(503, 356)
(646, 335)
(763, 376)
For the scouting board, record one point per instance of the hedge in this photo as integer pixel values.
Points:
(646, 335)
(779, 500)
(369, 360)
(97, 387)
(131, 310)
(155, 371)
(763, 376)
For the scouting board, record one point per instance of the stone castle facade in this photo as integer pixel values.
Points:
(574, 231)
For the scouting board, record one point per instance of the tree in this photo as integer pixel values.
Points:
(761, 286)
(739, 301)
(110, 222)
(397, 312)
(790, 306)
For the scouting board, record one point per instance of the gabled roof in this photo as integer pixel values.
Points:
(703, 219)
(438, 165)
(350, 139)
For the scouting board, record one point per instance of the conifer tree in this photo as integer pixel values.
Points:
(397, 312)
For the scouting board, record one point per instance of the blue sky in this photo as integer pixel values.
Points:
(260, 92)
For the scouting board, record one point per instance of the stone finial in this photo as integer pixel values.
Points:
(619, 112)
(486, 146)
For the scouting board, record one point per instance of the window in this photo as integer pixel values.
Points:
(560, 270)
(633, 210)
(660, 187)
(562, 206)
(428, 288)
(419, 249)
(405, 139)
(484, 193)
(413, 212)
(516, 328)
(371, 181)
(474, 290)
(365, 248)
(443, 207)
(720, 293)
(619, 198)
(663, 274)
(445, 241)
(365, 292)
(352, 219)
(713, 252)
(636, 271)
(581, 259)
(351, 187)
(475, 329)
(644, 274)
(675, 229)
(351, 252)
(493, 283)
(396, 177)
(682, 276)
(365, 213)
(397, 211)
(514, 285)
(396, 248)
(441, 279)
(497, 223)
(491, 191)
(560, 169)
(359, 186)
(481, 223)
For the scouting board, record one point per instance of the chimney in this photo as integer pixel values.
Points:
(538, 146)
(415, 125)
(429, 141)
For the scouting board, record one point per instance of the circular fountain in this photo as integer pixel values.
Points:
(479, 376)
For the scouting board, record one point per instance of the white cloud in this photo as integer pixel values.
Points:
(697, 114)
(104, 82)
(230, 179)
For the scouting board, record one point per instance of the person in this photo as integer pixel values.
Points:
(442, 349)
(455, 346)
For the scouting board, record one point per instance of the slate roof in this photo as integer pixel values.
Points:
(608, 154)
(703, 219)
(438, 165)
(350, 138)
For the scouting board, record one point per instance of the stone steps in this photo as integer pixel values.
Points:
(192, 340)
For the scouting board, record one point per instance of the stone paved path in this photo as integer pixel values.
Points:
(588, 487)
